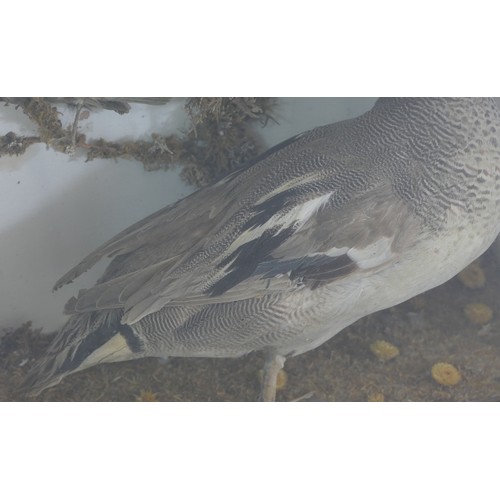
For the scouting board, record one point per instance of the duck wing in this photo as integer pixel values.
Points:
(311, 210)
(291, 237)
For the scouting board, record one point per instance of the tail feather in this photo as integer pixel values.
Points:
(86, 340)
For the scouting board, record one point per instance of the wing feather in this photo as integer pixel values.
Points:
(273, 227)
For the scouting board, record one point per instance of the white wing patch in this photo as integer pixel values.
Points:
(372, 255)
(333, 252)
(304, 212)
(297, 216)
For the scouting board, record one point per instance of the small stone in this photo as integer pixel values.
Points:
(384, 350)
(376, 397)
(445, 374)
(147, 396)
(478, 313)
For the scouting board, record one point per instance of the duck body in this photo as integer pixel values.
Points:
(332, 225)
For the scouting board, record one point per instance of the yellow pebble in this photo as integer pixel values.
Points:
(478, 313)
(384, 350)
(473, 276)
(445, 374)
(376, 397)
(147, 396)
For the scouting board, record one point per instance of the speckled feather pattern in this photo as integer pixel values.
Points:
(281, 255)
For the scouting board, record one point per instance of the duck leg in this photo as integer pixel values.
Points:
(274, 363)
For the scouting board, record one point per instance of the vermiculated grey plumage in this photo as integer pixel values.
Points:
(333, 224)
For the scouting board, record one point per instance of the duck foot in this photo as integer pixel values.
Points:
(274, 363)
